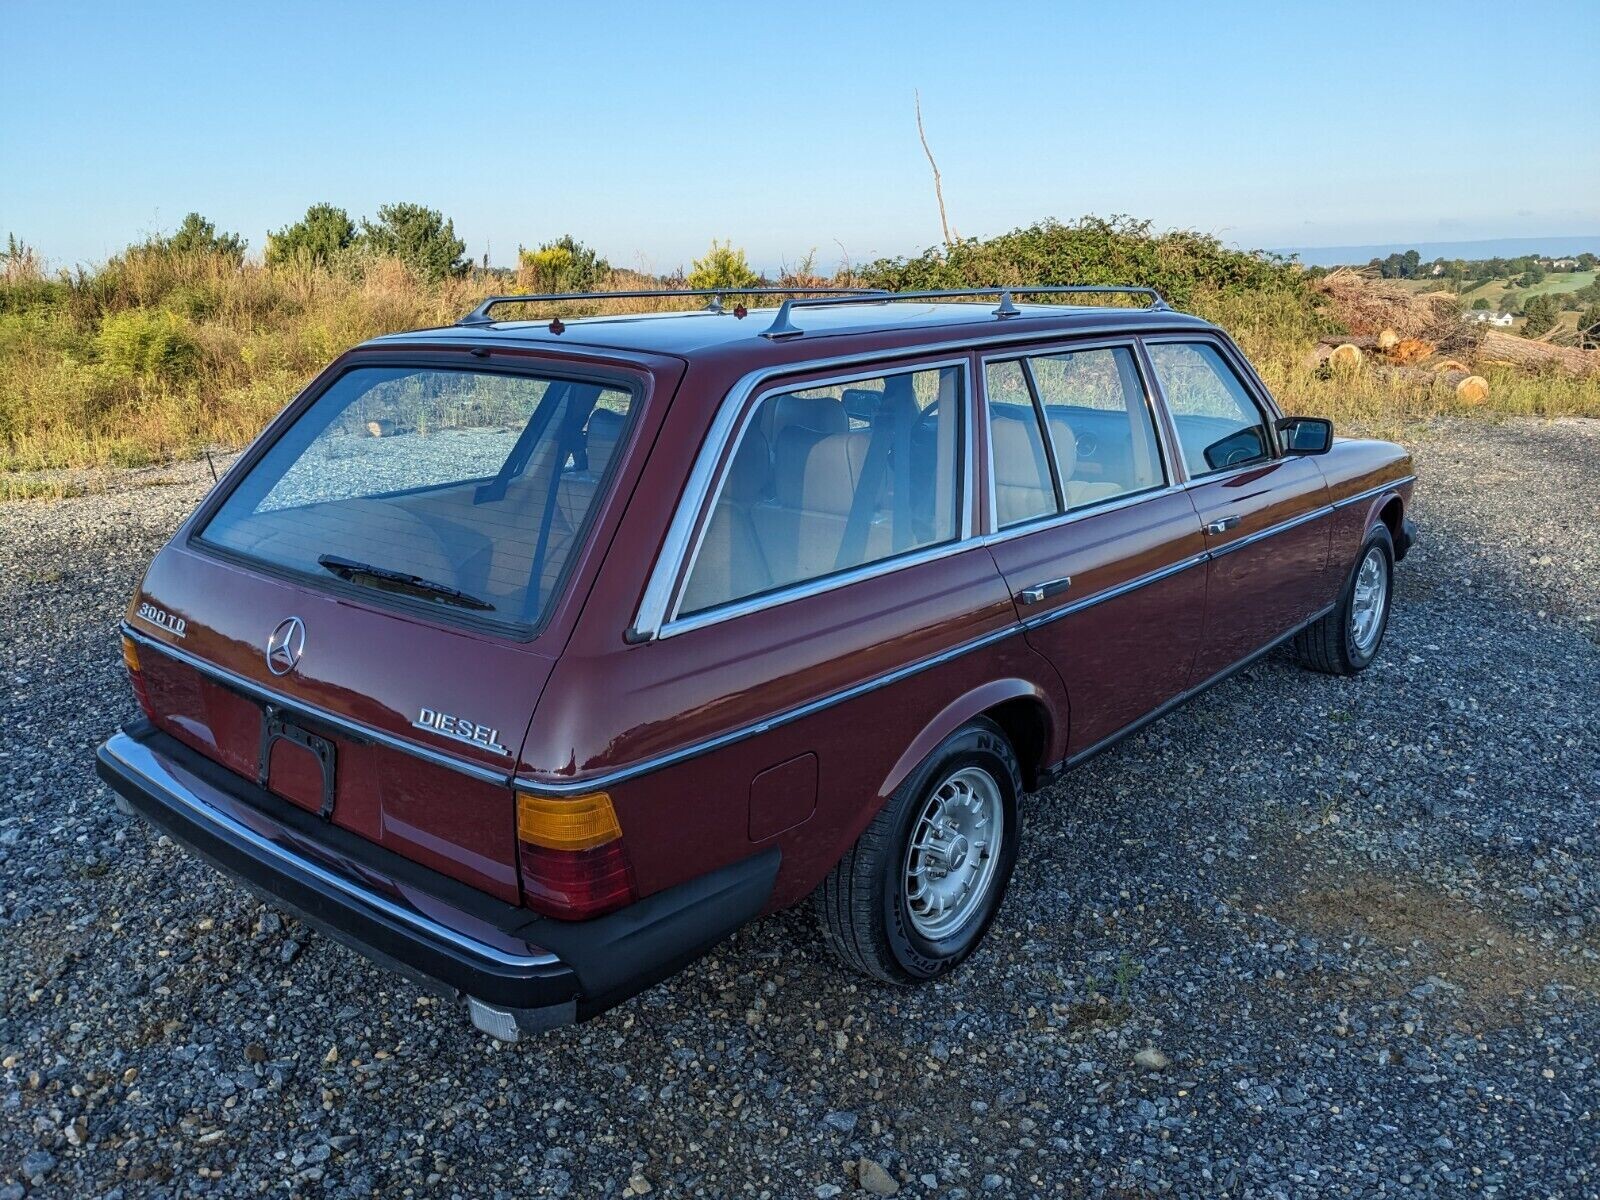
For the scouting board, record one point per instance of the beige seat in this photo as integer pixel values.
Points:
(1079, 492)
(732, 562)
(1022, 486)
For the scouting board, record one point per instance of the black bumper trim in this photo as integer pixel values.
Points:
(576, 968)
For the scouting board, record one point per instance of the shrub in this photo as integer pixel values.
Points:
(314, 240)
(564, 265)
(419, 237)
(723, 268)
(149, 344)
(1093, 250)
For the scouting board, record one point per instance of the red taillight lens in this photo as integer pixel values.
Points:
(573, 862)
(576, 884)
(130, 659)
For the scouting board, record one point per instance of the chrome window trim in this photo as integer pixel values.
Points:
(739, 408)
(354, 728)
(817, 586)
(1111, 503)
(142, 762)
(651, 614)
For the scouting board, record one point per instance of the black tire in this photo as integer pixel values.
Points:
(862, 905)
(1330, 645)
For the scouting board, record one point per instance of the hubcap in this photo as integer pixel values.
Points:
(1368, 602)
(950, 859)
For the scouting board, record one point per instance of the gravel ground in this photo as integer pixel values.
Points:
(1307, 937)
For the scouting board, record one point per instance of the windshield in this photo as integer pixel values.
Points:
(464, 490)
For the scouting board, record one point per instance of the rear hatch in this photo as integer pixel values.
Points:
(361, 618)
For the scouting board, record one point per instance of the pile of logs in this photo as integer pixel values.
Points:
(1420, 338)
(1387, 355)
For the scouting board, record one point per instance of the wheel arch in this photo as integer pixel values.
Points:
(1392, 512)
(1020, 707)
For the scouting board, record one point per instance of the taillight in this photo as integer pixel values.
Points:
(130, 659)
(573, 862)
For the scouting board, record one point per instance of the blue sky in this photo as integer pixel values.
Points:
(648, 129)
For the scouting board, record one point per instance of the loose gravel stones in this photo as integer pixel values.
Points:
(1359, 918)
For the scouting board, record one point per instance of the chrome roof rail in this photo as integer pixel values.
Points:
(783, 325)
(480, 315)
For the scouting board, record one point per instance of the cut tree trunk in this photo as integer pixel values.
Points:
(1522, 352)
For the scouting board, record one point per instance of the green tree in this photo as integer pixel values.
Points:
(1481, 303)
(316, 238)
(418, 236)
(1589, 327)
(724, 268)
(1540, 313)
(564, 265)
(199, 236)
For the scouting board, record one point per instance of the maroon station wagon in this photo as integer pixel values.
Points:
(532, 659)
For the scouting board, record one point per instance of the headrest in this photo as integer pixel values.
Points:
(1018, 454)
(832, 470)
(605, 428)
(747, 473)
(820, 414)
(1065, 443)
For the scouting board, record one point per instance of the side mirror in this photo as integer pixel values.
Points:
(1305, 435)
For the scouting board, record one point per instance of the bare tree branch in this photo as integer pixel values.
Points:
(938, 189)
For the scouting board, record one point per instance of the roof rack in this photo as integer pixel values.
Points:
(480, 315)
(784, 327)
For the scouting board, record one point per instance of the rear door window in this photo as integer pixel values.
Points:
(1218, 425)
(464, 491)
(1101, 428)
(1024, 482)
(830, 478)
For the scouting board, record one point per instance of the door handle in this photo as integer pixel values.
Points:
(1043, 591)
(1221, 524)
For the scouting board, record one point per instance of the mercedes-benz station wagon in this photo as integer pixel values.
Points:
(533, 658)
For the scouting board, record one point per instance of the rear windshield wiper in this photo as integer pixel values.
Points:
(353, 571)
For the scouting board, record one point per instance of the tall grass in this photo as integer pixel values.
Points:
(158, 354)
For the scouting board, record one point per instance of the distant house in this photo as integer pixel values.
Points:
(1483, 316)
(1563, 264)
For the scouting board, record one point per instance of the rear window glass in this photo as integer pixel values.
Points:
(467, 490)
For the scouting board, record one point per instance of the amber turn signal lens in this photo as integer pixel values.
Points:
(130, 654)
(567, 824)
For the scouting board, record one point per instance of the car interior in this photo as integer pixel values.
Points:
(505, 539)
(828, 479)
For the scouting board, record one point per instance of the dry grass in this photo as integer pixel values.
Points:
(157, 355)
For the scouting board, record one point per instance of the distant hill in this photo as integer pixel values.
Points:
(1558, 246)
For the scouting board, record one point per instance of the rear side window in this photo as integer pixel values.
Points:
(827, 479)
(465, 490)
(1218, 425)
(1101, 434)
